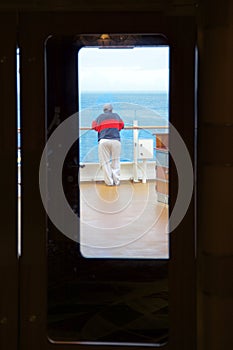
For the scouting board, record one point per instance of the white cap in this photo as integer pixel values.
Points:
(107, 107)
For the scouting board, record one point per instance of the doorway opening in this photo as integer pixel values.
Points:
(130, 220)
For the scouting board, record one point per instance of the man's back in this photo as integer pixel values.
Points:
(108, 125)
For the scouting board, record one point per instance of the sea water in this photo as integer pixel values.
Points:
(147, 108)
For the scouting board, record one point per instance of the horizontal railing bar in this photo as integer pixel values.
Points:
(133, 127)
(127, 127)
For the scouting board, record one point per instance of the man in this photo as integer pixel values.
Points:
(108, 126)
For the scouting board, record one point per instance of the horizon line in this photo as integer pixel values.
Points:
(111, 91)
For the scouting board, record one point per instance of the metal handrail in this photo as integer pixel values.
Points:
(134, 127)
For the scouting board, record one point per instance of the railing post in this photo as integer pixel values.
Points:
(135, 151)
(144, 170)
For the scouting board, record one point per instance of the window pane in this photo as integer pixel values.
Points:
(129, 220)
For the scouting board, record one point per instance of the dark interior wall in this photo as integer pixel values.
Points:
(168, 6)
(215, 173)
(214, 223)
(8, 239)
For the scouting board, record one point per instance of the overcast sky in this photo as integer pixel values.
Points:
(138, 69)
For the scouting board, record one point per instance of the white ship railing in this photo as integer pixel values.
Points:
(136, 168)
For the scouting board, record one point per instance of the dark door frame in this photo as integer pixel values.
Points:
(9, 268)
(34, 29)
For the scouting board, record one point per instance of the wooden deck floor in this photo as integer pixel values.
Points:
(123, 221)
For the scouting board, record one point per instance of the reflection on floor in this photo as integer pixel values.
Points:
(126, 305)
(123, 221)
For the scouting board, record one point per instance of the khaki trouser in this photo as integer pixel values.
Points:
(109, 157)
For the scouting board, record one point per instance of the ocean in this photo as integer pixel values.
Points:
(148, 108)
